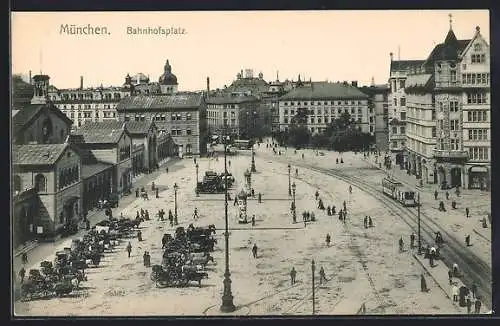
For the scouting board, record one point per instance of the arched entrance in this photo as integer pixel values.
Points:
(456, 177)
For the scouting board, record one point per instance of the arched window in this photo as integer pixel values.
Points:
(40, 183)
(17, 183)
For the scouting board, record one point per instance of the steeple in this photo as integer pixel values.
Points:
(450, 38)
(168, 68)
(451, 21)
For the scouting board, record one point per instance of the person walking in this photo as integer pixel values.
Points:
(322, 276)
(450, 276)
(254, 250)
(435, 194)
(22, 274)
(468, 303)
(477, 306)
(401, 244)
(473, 289)
(455, 270)
(253, 220)
(412, 240)
(296, 172)
(423, 283)
(350, 189)
(328, 240)
(365, 222)
(293, 274)
(195, 215)
(260, 198)
(144, 258)
(24, 258)
(447, 194)
(454, 292)
(467, 240)
(370, 222)
(129, 249)
(139, 235)
(467, 212)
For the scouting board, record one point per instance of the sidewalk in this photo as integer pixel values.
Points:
(439, 273)
(40, 252)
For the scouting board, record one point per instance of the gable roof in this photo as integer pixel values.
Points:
(174, 101)
(103, 132)
(405, 65)
(450, 49)
(39, 154)
(139, 127)
(30, 111)
(477, 34)
(324, 90)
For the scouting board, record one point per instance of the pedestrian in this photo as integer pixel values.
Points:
(137, 216)
(24, 258)
(322, 276)
(454, 292)
(260, 198)
(316, 194)
(235, 200)
(447, 194)
(137, 192)
(129, 249)
(350, 189)
(341, 160)
(457, 191)
(293, 273)
(423, 284)
(253, 193)
(435, 194)
(328, 239)
(333, 210)
(370, 222)
(365, 222)
(253, 220)
(450, 276)
(153, 186)
(144, 257)
(296, 172)
(455, 270)
(467, 212)
(139, 235)
(195, 215)
(157, 196)
(22, 274)
(302, 155)
(229, 163)
(477, 306)
(473, 289)
(467, 240)
(166, 170)
(142, 213)
(412, 240)
(345, 209)
(401, 244)
(254, 250)
(337, 161)
(146, 215)
(469, 303)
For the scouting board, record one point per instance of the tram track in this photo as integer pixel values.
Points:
(474, 269)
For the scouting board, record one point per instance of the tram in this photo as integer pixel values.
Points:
(397, 191)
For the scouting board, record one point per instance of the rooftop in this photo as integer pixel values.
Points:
(418, 80)
(39, 154)
(174, 101)
(405, 65)
(89, 170)
(103, 132)
(229, 99)
(138, 127)
(324, 90)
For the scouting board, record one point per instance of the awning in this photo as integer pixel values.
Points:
(479, 169)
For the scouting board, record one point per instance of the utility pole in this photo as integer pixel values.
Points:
(418, 217)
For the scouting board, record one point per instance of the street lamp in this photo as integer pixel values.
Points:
(313, 268)
(197, 194)
(253, 161)
(294, 211)
(289, 186)
(176, 222)
(227, 296)
(418, 217)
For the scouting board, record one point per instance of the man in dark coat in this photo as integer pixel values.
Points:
(293, 274)
(328, 240)
(412, 240)
(365, 222)
(435, 194)
(423, 283)
(467, 212)
(473, 289)
(22, 274)
(129, 249)
(467, 240)
(477, 306)
(450, 276)
(254, 251)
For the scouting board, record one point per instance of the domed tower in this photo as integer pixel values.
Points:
(41, 88)
(168, 81)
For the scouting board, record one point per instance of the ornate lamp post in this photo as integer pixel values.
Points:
(197, 194)
(294, 211)
(248, 178)
(227, 296)
(289, 186)
(176, 222)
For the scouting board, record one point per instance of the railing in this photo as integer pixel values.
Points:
(451, 153)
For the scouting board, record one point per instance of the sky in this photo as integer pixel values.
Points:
(318, 45)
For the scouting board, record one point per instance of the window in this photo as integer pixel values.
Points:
(433, 132)
(478, 58)
(403, 131)
(476, 98)
(395, 102)
(454, 125)
(454, 106)
(40, 184)
(403, 116)
(454, 144)
(479, 153)
(453, 75)
(394, 130)
(285, 120)
(402, 83)
(97, 114)
(478, 134)
(188, 116)
(394, 144)
(403, 101)
(188, 132)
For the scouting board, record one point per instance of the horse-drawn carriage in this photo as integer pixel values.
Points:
(177, 276)
(212, 183)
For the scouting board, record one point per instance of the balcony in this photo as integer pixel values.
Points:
(451, 154)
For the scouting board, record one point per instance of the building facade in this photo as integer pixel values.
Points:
(449, 115)
(378, 103)
(323, 102)
(182, 115)
(397, 100)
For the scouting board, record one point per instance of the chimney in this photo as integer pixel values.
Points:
(354, 83)
(30, 80)
(81, 82)
(391, 54)
(208, 86)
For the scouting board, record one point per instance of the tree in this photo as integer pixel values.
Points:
(298, 136)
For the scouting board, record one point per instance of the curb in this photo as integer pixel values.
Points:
(432, 276)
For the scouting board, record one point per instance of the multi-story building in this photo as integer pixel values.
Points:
(322, 102)
(378, 102)
(234, 114)
(449, 114)
(183, 115)
(397, 105)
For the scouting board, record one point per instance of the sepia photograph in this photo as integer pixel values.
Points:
(250, 163)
